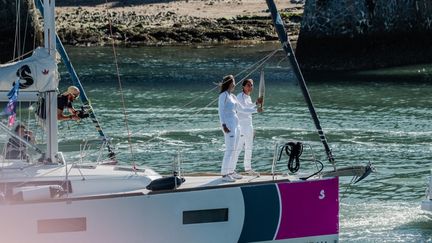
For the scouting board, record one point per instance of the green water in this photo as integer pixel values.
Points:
(367, 117)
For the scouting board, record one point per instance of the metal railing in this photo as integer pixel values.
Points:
(278, 150)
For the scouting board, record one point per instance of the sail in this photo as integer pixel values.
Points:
(37, 73)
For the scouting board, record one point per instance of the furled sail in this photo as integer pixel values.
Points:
(37, 73)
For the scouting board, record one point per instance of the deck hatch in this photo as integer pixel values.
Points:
(205, 216)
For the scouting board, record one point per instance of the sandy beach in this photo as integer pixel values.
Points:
(170, 22)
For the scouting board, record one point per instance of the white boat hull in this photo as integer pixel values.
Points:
(265, 211)
(426, 205)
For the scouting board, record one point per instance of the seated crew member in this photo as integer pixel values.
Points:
(15, 148)
(64, 101)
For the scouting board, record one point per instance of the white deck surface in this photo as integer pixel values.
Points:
(216, 180)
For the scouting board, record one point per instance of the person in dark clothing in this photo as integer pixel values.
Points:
(15, 148)
(64, 101)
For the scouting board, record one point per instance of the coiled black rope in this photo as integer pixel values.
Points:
(294, 150)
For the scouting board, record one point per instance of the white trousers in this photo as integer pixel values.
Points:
(231, 141)
(245, 142)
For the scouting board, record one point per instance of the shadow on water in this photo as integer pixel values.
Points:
(421, 73)
(114, 3)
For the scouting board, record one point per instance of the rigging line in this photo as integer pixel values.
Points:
(281, 60)
(211, 102)
(241, 80)
(257, 65)
(196, 98)
(21, 56)
(346, 189)
(120, 83)
(255, 69)
(214, 100)
(34, 38)
(17, 12)
(264, 59)
(25, 31)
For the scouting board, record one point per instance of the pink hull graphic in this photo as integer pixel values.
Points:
(309, 208)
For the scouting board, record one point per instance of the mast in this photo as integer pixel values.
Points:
(283, 37)
(51, 95)
(76, 81)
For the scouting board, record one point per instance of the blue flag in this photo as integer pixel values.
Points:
(10, 109)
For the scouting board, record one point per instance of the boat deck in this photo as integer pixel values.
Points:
(87, 182)
(200, 182)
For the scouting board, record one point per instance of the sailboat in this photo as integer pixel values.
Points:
(51, 199)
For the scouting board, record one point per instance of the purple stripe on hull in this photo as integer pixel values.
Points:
(309, 208)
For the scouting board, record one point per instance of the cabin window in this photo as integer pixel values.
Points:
(205, 216)
(61, 225)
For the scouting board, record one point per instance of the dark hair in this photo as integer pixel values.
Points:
(246, 81)
(226, 82)
(18, 127)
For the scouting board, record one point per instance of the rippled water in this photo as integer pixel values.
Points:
(376, 120)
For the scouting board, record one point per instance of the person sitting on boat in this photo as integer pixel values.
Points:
(246, 128)
(228, 106)
(64, 101)
(16, 148)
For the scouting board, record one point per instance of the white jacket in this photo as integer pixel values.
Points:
(229, 106)
(245, 117)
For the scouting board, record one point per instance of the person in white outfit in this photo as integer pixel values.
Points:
(246, 128)
(228, 106)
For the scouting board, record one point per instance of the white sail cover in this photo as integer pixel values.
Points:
(37, 73)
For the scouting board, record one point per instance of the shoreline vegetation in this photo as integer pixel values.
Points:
(185, 22)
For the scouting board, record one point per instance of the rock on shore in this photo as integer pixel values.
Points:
(178, 22)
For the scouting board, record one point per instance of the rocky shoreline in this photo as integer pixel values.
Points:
(335, 36)
(141, 23)
(84, 27)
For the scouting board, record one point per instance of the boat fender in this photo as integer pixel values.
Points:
(165, 183)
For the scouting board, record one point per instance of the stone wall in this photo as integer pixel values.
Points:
(363, 34)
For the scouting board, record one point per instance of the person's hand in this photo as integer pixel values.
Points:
(225, 128)
(75, 118)
(260, 100)
(260, 109)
